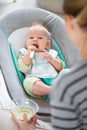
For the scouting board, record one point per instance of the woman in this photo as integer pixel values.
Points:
(69, 94)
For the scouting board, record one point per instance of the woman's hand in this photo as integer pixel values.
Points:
(25, 124)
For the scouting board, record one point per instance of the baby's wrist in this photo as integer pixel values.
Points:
(51, 60)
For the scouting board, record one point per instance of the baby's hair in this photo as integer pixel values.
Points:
(42, 25)
(37, 23)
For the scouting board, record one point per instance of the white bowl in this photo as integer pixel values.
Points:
(24, 105)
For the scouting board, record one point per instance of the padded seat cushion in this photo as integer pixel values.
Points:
(24, 18)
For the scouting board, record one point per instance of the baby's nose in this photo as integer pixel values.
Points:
(35, 38)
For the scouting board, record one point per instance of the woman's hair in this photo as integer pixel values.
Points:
(78, 9)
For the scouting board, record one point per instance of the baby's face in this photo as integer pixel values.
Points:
(38, 37)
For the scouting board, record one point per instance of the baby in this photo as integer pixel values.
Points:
(38, 62)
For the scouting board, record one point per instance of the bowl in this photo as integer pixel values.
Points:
(24, 105)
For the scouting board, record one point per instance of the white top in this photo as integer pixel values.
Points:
(41, 68)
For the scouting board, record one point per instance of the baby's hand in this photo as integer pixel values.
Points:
(32, 48)
(47, 56)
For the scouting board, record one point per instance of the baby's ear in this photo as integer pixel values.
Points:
(49, 43)
(49, 40)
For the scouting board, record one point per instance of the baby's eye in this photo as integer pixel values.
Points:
(40, 38)
(31, 37)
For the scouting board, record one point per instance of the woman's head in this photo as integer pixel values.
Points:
(78, 9)
(76, 22)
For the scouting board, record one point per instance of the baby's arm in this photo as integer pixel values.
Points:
(22, 59)
(22, 66)
(56, 62)
(27, 58)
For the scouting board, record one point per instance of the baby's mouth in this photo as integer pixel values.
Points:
(35, 45)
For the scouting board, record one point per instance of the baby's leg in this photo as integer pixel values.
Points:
(35, 87)
(41, 89)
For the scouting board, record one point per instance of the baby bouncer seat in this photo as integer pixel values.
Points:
(13, 29)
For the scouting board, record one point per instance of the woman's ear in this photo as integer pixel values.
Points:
(69, 22)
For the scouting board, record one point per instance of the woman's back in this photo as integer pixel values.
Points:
(69, 106)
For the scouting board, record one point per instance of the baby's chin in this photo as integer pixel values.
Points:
(39, 50)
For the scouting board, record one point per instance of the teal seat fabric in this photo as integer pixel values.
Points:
(60, 53)
(56, 45)
(47, 81)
